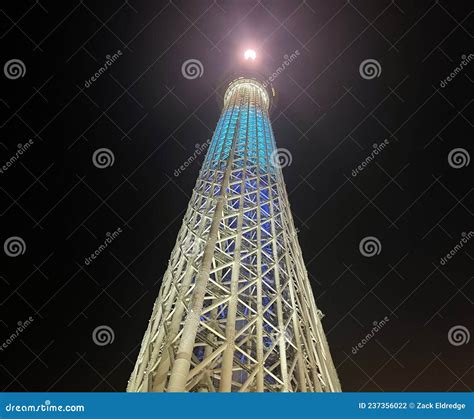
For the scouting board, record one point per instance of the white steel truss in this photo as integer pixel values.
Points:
(235, 310)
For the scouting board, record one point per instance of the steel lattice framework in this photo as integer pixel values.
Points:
(235, 310)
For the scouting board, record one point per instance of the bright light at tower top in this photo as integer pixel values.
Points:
(250, 54)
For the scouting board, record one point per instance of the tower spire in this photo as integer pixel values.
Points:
(236, 311)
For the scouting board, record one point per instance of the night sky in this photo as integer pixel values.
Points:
(414, 197)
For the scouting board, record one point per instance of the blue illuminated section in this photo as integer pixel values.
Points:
(246, 109)
(255, 142)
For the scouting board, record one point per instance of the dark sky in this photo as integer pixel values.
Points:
(328, 116)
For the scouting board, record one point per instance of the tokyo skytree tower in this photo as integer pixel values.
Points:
(235, 311)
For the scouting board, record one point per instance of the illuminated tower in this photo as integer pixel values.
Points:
(235, 310)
